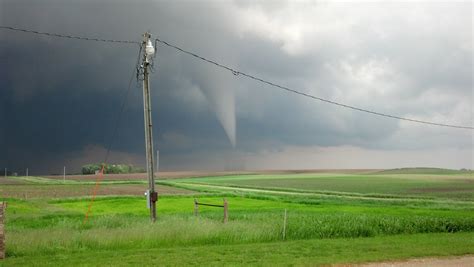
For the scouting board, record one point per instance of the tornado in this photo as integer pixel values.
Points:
(219, 92)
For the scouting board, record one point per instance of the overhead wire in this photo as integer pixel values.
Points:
(238, 72)
(69, 36)
(112, 139)
(124, 104)
(250, 76)
(122, 108)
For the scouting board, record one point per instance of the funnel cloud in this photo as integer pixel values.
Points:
(220, 96)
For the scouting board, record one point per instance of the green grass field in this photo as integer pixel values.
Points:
(454, 186)
(331, 218)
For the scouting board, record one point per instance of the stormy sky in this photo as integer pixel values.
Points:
(60, 98)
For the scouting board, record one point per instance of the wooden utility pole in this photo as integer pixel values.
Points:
(149, 51)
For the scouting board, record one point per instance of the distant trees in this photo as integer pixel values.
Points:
(111, 168)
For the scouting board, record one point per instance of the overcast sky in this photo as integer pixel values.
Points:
(60, 98)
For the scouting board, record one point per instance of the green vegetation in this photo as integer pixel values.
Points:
(405, 185)
(332, 218)
(301, 252)
(40, 227)
(111, 168)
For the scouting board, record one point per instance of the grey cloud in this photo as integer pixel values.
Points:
(68, 92)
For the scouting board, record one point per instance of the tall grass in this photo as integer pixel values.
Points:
(59, 233)
(112, 232)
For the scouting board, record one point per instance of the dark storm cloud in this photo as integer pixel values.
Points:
(60, 98)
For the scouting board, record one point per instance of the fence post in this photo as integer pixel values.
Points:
(225, 211)
(2, 232)
(284, 226)
(196, 208)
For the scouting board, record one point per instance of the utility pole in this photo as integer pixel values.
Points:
(153, 196)
(26, 172)
(64, 174)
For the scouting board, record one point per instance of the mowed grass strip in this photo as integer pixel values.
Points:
(296, 253)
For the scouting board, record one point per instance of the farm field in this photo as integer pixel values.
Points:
(188, 174)
(341, 218)
(458, 185)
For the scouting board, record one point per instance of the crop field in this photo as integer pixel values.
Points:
(455, 186)
(332, 218)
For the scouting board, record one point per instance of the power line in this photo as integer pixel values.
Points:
(69, 36)
(114, 134)
(122, 108)
(109, 147)
(237, 72)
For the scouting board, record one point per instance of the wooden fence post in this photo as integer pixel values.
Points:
(196, 208)
(225, 211)
(284, 226)
(2, 230)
